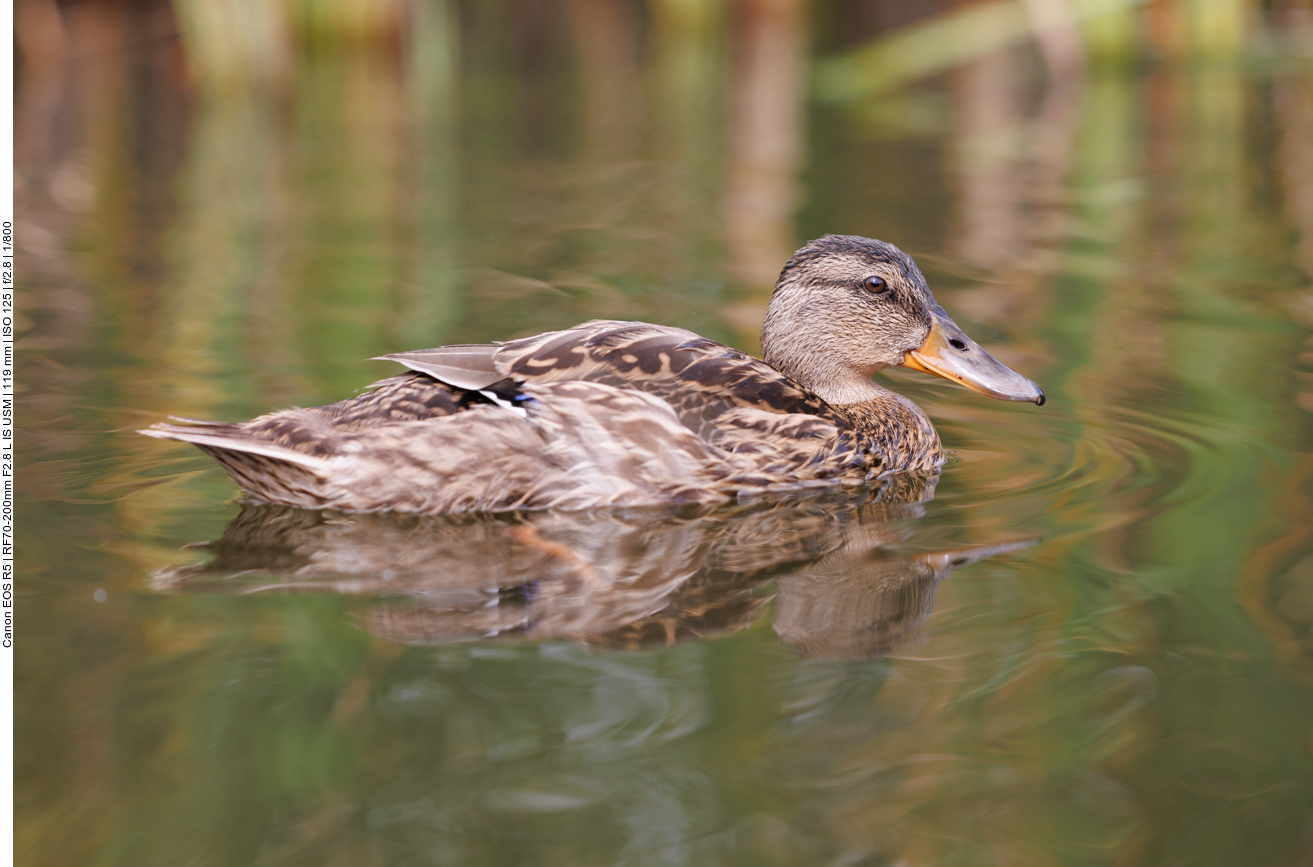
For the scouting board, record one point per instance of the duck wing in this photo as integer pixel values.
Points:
(567, 445)
(700, 378)
(469, 366)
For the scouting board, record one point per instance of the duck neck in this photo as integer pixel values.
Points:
(900, 432)
(836, 384)
(842, 392)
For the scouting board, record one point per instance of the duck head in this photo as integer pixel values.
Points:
(846, 307)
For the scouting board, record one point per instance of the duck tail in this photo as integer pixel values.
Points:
(265, 470)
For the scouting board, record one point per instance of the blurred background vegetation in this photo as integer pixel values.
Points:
(225, 206)
(373, 156)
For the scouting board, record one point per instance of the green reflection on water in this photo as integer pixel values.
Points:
(1137, 688)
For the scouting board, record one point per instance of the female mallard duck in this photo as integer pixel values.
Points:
(632, 414)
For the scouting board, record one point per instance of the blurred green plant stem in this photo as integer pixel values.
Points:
(1109, 31)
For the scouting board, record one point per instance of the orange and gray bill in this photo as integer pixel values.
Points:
(949, 353)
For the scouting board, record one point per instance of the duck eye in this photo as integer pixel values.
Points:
(876, 285)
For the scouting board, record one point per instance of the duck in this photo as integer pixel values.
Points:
(612, 414)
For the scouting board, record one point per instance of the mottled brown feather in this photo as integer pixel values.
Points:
(618, 414)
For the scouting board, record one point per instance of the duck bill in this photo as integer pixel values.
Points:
(949, 353)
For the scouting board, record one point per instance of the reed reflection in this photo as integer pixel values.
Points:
(622, 579)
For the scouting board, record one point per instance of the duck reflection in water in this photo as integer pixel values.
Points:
(614, 578)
